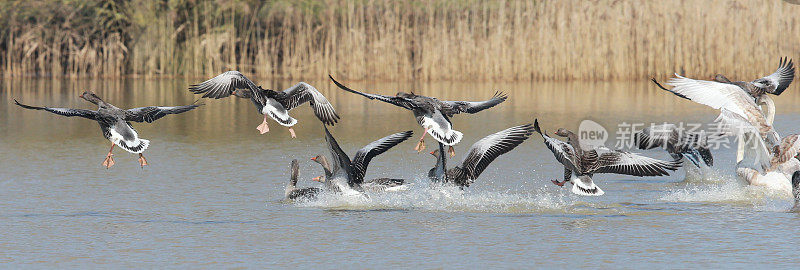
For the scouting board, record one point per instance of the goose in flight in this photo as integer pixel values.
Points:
(679, 144)
(739, 115)
(292, 192)
(270, 103)
(782, 165)
(774, 84)
(481, 154)
(433, 114)
(115, 122)
(347, 176)
(580, 165)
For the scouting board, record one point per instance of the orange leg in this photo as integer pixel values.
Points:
(109, 161)
(421, 144)
(142, 161)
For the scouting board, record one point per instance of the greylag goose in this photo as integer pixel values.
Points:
(275, 104)
(678, 143)
(782, 165)
(347, 176)
(739, 115)
(774, 84)
(433, 114)
(580, 165)
(292, 192)
(115, 122)
(481, 154)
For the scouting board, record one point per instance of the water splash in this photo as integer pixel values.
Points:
(426, 196)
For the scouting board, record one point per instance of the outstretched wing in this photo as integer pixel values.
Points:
(621, 162)
(153, 113)
(563, 152)
(397, 101)
(456, 107)
(224, 84)
(656, 136)
(788, 149)
(782, 77)
(366, 153)
(483, 152)
(62, 111)
(340, 159)
(301, 93)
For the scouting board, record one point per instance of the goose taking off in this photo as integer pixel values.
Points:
(481, 154)
(580, 165)
(433, 114)
(782, 165)
(115, 122)
(275, 104)
(739, 114)
(347, 176)
(292, 192)
(678, 143)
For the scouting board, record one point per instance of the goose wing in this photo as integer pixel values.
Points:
(153, 113)
(68, 112)
(301, 93)
(397, 101)
(224, 84)
(788, 149)
(621, 162)
(563, 151)
(663, 136)
(456, 107)
(366, 153)
(714, 94)
(340, 159)
(783, 76)
(483, 152)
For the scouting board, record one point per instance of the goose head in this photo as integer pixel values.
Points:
(405, 95)
(796, 186)
(241, 93)
(435, 153)
(322, 160)
(89, 96)
(765, 84)
(563, 132)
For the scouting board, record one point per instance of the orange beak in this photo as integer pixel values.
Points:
(316, 179)
(431, 152)
(314, 158)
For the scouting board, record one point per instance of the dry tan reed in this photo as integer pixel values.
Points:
(400, 40)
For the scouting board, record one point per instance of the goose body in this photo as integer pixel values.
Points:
(432, 114)
(270, 103)
(347, 176)
(739, 116)
(782, 166)
(115, 122)
(480, 155)
(580, 165)
(292, 192)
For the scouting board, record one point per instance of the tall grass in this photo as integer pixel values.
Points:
(397, 40)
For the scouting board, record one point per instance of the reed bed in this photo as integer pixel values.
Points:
(397, 40)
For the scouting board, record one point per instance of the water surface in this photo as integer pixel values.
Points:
(212, 195)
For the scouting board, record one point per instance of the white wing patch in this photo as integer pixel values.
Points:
(444, 134)
(136, 146)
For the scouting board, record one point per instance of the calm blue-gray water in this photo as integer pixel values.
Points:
(213, 193)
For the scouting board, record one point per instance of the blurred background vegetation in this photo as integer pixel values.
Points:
(396, 40)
